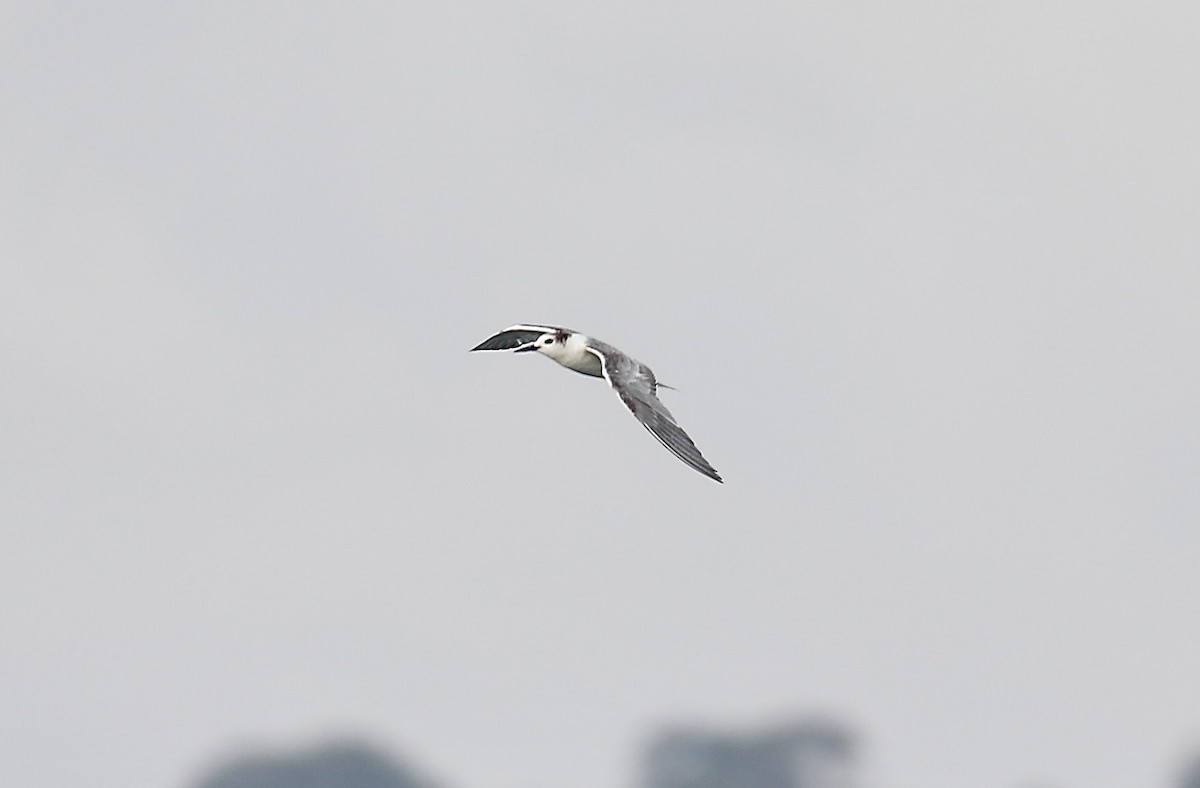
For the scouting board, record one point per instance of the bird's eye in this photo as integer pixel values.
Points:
(547, 342)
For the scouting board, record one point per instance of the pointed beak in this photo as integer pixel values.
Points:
(525, 349)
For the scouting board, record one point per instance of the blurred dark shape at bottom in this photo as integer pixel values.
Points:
(342, 764)
(804, 754)
(795, 754)
(1190, 777)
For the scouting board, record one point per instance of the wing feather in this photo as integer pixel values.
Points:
(516, 336)
(635, 384)
(508, 340)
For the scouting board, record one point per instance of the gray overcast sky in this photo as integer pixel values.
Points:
(925, 274)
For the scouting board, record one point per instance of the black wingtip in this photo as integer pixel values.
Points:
(508, 340)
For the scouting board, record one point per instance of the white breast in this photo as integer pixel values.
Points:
(573, 354)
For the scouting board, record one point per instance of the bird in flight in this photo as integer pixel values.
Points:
(633, 381)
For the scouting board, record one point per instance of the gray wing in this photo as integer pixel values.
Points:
(635, 384)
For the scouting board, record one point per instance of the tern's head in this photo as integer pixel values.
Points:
(552, 344)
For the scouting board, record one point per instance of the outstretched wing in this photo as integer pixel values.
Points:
(635, 384)
(514, 337)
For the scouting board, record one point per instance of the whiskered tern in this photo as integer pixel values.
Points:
(633, 381)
